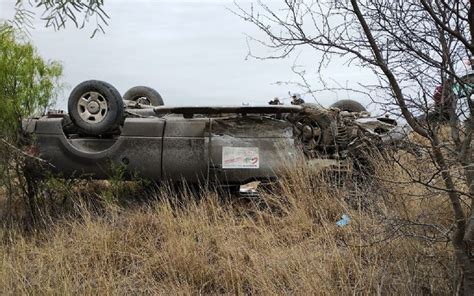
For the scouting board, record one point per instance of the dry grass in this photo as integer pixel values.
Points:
(287, 242)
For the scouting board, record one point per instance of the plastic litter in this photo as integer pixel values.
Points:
(345, 219)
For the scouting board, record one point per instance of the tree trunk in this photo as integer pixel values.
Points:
(468, 284)
(462, 248)
(468, 278)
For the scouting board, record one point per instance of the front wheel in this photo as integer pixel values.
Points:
(349, 106)
(144, 95)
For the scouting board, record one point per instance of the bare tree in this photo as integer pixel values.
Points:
(412, 47)
(58, 13)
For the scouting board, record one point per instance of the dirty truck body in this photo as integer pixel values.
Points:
(137, 136)
(229, 150)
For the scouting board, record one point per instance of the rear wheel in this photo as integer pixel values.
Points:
(144, 95)
(95, 107)
(349, 106)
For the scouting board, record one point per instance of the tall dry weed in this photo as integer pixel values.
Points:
(286, 242)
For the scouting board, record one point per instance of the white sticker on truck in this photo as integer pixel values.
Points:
(240, 158)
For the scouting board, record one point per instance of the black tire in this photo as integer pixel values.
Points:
(468, 79)
(109, 104)
(349, 106)
(146, 94)
(468, 85)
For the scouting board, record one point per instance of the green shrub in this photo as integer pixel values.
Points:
(27, 83)
(28, 86)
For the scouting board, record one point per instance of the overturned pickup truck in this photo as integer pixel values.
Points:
(227, 145)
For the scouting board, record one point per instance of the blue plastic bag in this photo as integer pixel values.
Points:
(344, 221)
